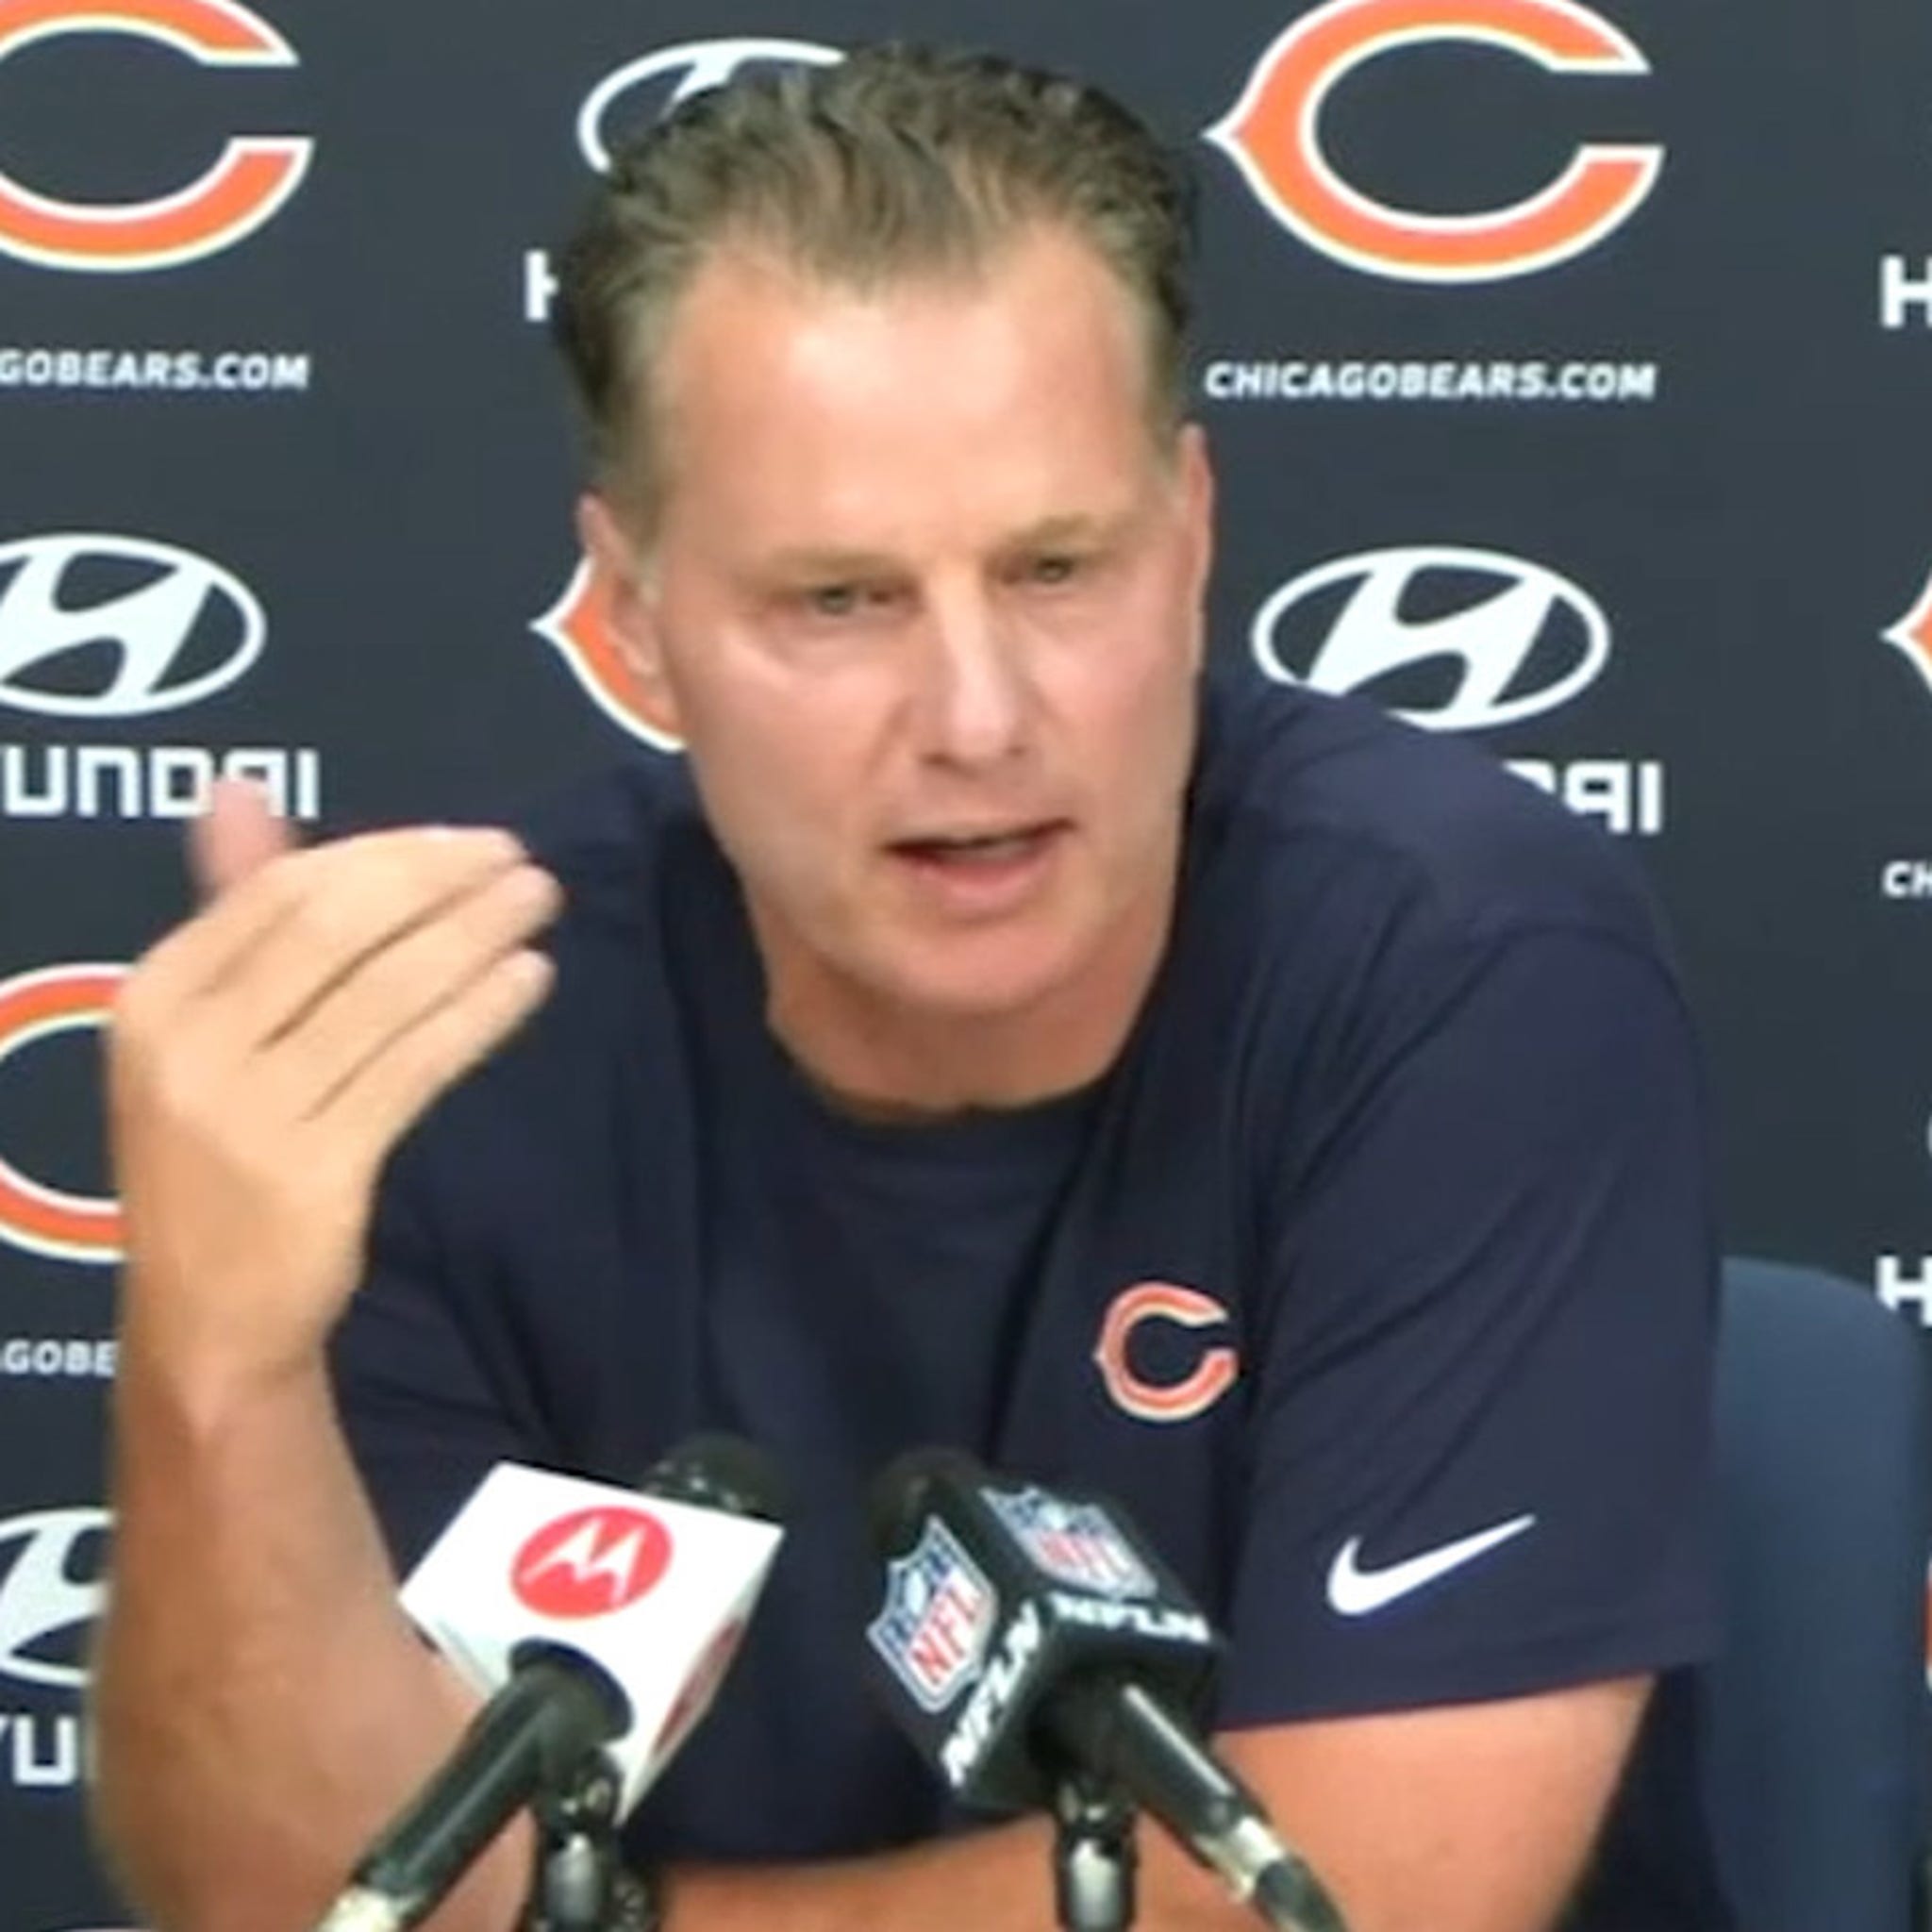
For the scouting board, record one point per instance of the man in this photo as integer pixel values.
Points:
(1251, 1108)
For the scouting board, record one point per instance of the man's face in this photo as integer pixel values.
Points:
(923, 601)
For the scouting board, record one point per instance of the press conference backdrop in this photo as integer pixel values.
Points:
(1567, 367)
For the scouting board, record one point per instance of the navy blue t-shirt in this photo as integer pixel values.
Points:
(1374, 1279)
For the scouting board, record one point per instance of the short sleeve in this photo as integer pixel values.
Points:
(1481, 1464)
(422, 1419)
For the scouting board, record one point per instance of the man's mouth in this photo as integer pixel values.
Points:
(989, 849)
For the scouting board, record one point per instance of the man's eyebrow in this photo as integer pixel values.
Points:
(1081, 526)
(807, 562)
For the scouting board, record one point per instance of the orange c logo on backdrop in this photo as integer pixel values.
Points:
(1273, 135)
(1195, 1393)
(578, 626)
(249, 181)
(1912, 633)
(43, 1219)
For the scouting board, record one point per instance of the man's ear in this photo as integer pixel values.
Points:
(1196, 479)
(631, 610)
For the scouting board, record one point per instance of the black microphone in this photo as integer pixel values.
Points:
(1027, 1635)
(528, 1738)
(606, 1626)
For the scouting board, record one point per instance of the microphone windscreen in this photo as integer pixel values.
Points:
(901, 1493)
(716, 1471)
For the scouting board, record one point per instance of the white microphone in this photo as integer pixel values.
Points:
(592, 1618)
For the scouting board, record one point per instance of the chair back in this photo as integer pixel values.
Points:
(1816, 1710)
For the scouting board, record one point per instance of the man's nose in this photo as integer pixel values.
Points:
(973, 694)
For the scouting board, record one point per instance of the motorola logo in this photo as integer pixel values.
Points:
(592, 1562)
(94, 626)
(1447, 637)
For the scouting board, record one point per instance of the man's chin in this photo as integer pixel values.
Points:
(986, 977)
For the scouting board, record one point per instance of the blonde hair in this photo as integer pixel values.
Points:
(895, 162)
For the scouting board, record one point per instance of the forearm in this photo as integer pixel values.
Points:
(261, 1704)
(999, 1880)
(1473, 1817)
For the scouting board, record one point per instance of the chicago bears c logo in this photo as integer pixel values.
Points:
(248, 182)
(43, 1219)
(578, 625)
(1212, 1375)
(1912, 633)
(1273, 135)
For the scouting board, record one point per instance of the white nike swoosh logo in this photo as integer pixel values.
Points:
(1354, 1591)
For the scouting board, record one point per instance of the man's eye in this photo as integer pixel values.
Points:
(1054, 567)
(834, 600)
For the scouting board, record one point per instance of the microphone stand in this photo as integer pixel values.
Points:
(580, 1886)
(1094, 1854)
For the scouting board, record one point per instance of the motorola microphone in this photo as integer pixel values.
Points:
(1027, 1635)
(594, 1620)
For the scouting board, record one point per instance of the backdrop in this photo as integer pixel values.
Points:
(1568, 370)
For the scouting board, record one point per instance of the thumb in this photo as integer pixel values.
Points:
(236, 833)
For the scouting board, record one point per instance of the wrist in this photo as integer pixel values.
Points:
(197, 1396)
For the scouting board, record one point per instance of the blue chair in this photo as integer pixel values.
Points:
(1816, 1711)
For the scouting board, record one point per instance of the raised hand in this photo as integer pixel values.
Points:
(266, 1055)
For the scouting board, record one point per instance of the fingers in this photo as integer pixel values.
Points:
(236, 834)
(396, 986)
(352, 908)
(392, 1088)
(277, 938)
(265, 1057)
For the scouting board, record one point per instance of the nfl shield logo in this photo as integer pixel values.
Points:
(1075, 1543)
(937, 1619)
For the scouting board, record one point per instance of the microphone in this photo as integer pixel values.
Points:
(1027, 1635)
(594, 1620)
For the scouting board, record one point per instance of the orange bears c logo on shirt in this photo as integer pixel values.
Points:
(1177, 1401)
